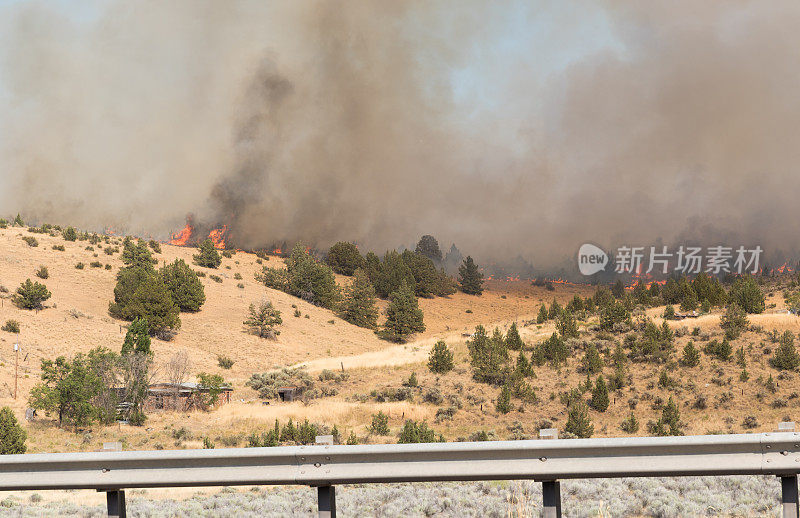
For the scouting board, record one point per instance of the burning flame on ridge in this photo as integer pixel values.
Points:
(217, 236)
(182, 237)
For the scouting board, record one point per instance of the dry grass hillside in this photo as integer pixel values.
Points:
(711, 397)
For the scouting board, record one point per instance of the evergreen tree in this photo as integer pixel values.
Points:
(553, 350)
(184, 286)
(311, 281)
(359, 306)
(30, 295)
(503, 403)
(427, 282)
(403, 316)
(786, 356)
(69, 234)
(600, 399)
(592, 362)
(417, 432)
(747, 294)
(543, 315)
(429, 247)
(440, 360)
(137, 255)
(344, 258)
(578, 422)
(208, 255)
(618, 289)
(567, 326)
(262, 320)
(614, 315)
(513, 339)
(523, 367)
(669, 423)
(691, 356)
(555, 309)
(137, 338)
(12, 435)
(18, 222)
(372, 267)
(631, 424)
(734, 322)
(488, 357)
(392, 274)
(470, 278)
(150, 300)
(669, 312)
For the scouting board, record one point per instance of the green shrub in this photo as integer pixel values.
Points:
(96, 264)
(215, 278)
(79, 266)
(691, 356)
(155, 246)
(30, 295)
(440, 359)
(417, 432)
(11, 326)
(208, 255)
(630, 424)
(69, 234)
(59, 248)
(32, 241)
(262, 320)
(669, 423)
(380, 424)
(600, 399)
(224, 362)
(12, 435)
(42, 272)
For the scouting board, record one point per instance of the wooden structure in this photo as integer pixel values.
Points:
(181, 396)
(287, 394)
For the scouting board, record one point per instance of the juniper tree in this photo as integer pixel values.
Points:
(184, 286)
(669, 423)
(311, 281)
(30, 295)
(470, 278)
(523, 367)
(344, 258)
(513, 339)
(592, 362)
(359, 307)
(555, 310)
(734, 322)
(208, 255)
(429, 247)
(146, 298)
(786, 356)
(262, 320)
(137, 338)
(618, 289)
(543, 315)
(403, 315)
(12, 435)
(440, 359)
(748, 295)
(488, 357)
(567, 326)
(579, 423)
(600, 399)
(691, 356)
(503, 403)
(392, 274)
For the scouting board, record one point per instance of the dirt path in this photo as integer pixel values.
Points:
(416, 351)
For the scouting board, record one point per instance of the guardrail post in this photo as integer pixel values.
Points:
(789, 496)
(551, 495)
(116, 503)
(327, 501)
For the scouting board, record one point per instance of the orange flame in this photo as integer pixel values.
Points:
(182, 237)
(217, 236)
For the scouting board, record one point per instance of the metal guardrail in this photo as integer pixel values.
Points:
(325, 466)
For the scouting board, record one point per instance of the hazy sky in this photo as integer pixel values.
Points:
(506, 127)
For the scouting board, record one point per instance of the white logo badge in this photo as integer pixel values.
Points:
(591, 259)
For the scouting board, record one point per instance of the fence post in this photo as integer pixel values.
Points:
(789, 496)
(115, 499)
(551, 496)
(327, 501)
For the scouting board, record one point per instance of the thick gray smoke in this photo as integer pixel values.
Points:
(508, 128)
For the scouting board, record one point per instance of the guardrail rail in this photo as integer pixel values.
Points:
(325, 466)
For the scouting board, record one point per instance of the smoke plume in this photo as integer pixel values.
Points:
(508, 128)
